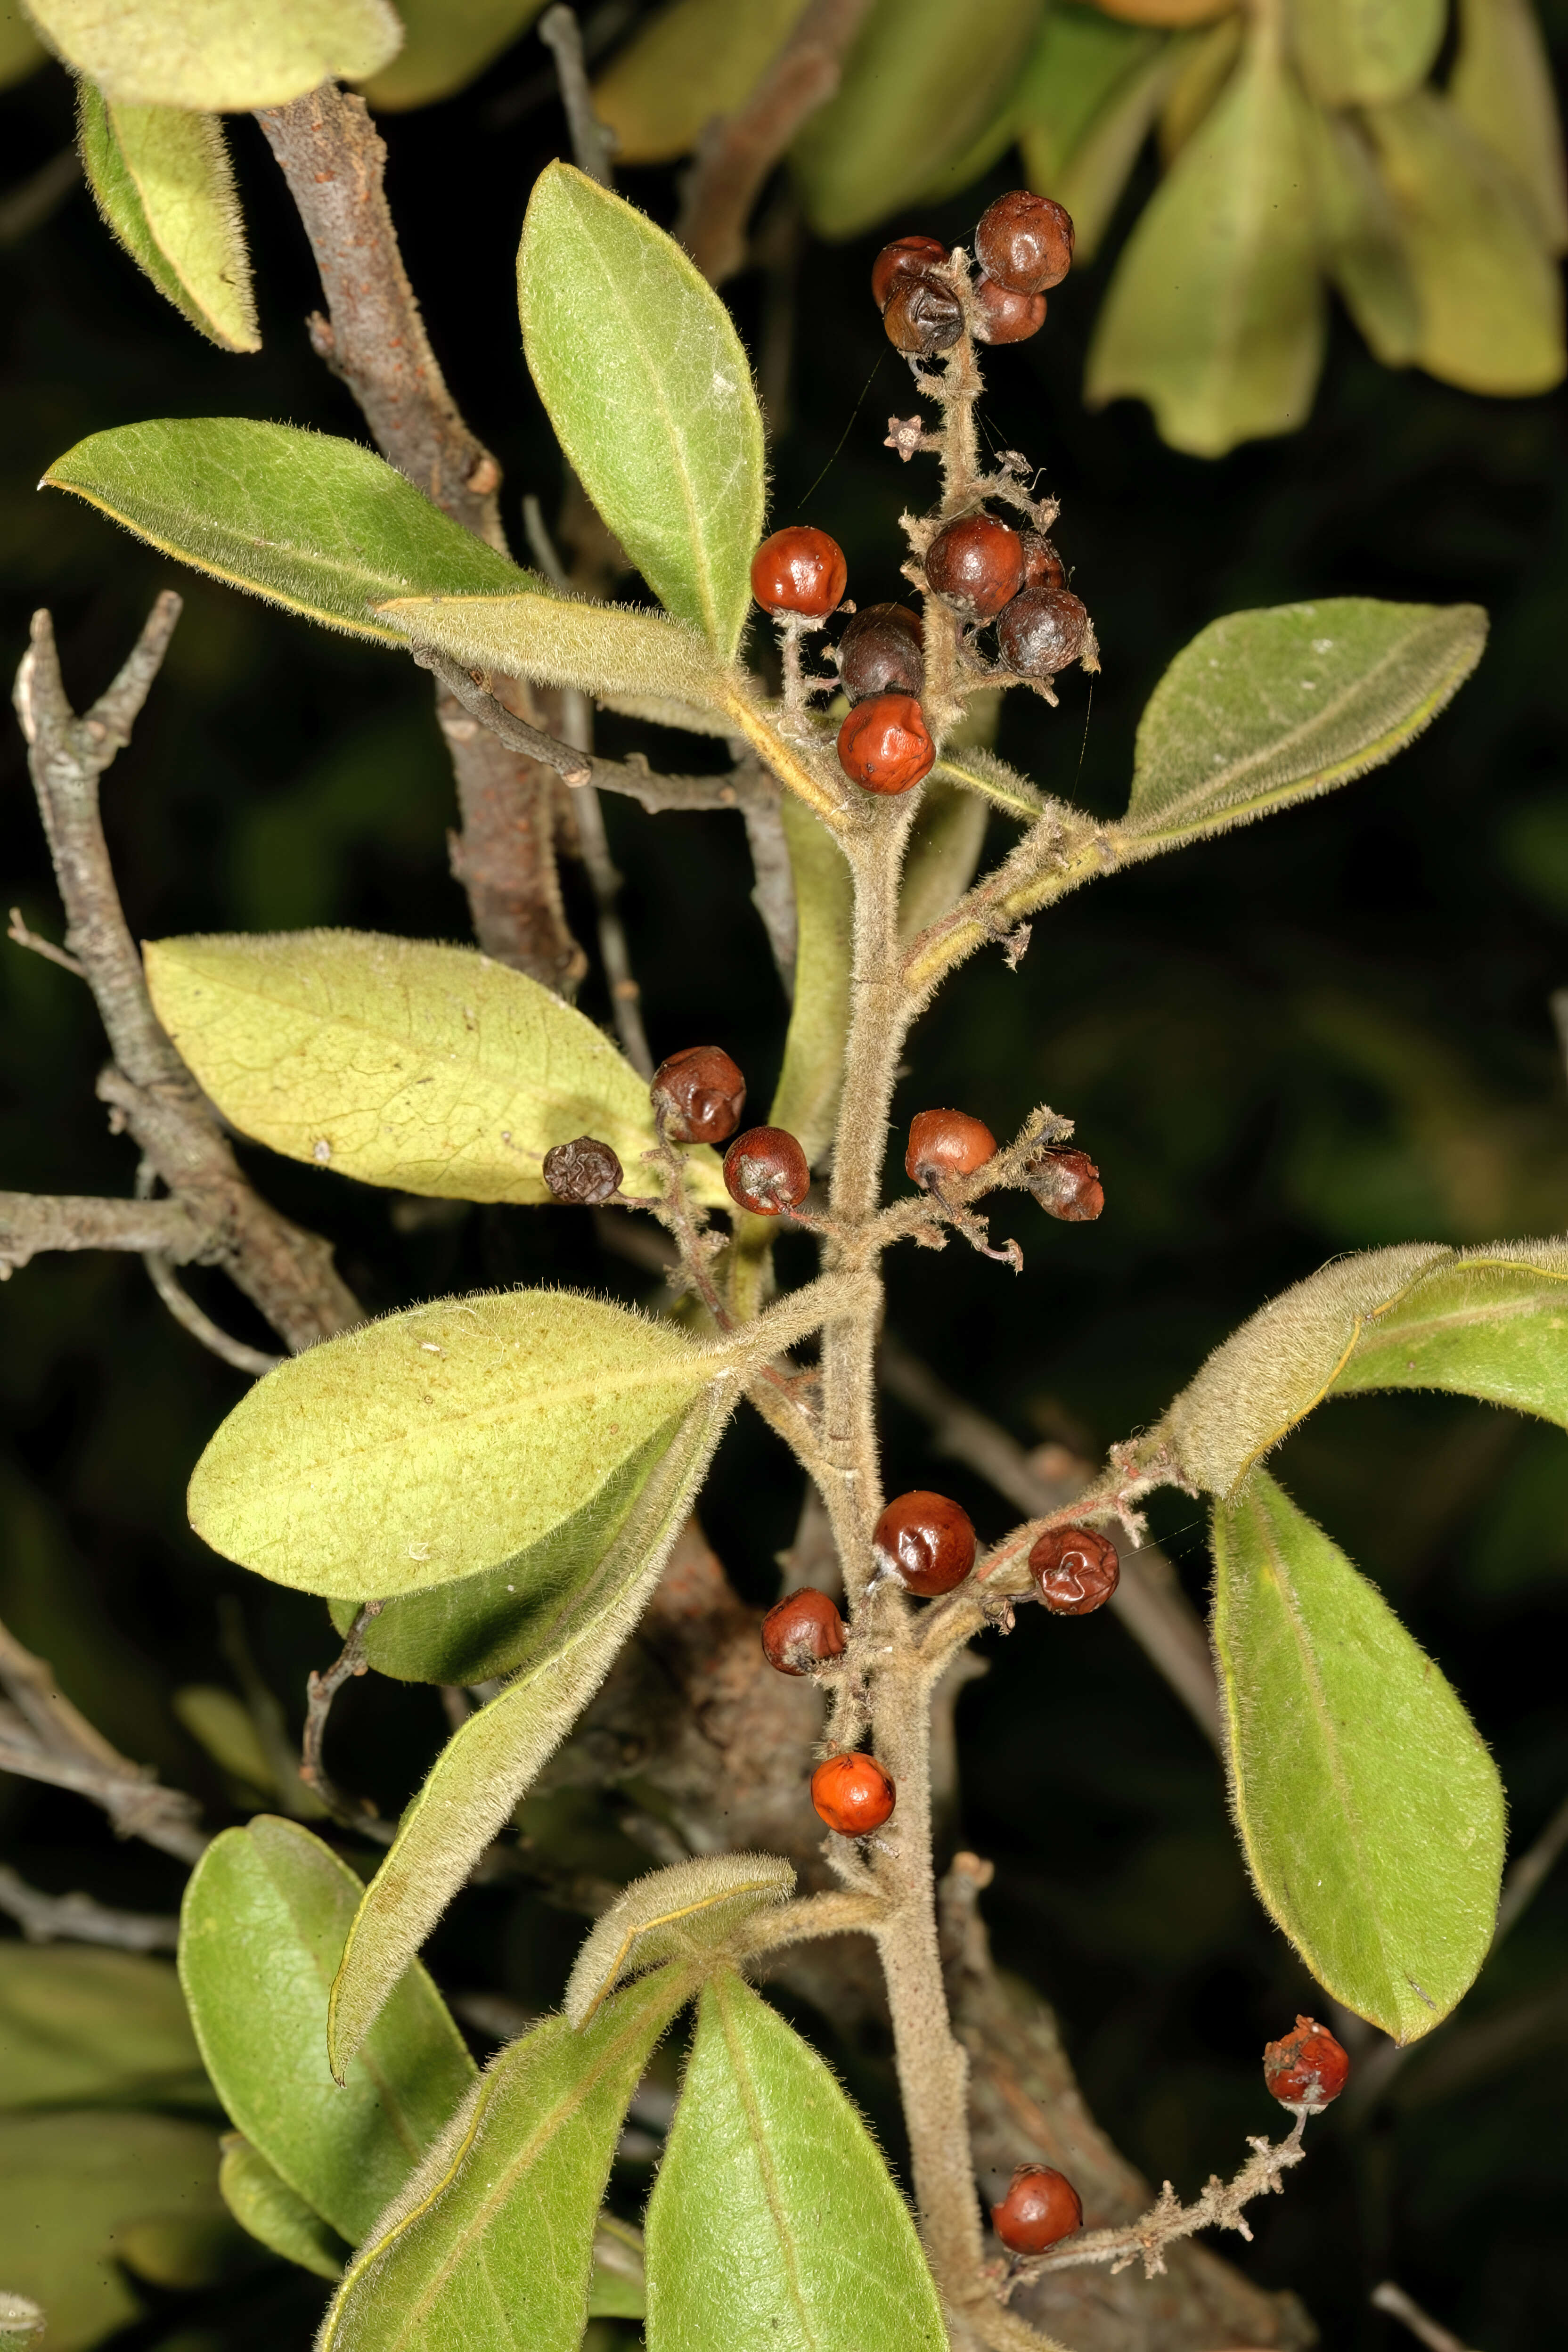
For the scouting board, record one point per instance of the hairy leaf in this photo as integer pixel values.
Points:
(263, 2203)
(265, 1917)
(1264, 709)
(445, 45)
(484, 1770)
(309, 522)
(490, 2245)
(1364, 249)
(1502, 86)
(162, 179)
(689, 1911)
(1359, 52)
(80, 2026)
(683, 66)
(979, 770)
(609, 650)
(220, 56)
(649, 390)
(812, 1079)
(741, 2246)
(1370, 1810)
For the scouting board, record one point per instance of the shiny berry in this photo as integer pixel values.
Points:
(1075, 1568)
(922, 317)
(946, 1143)
(1307, 2068)
(976, 565)
(880, 652)
(802, 1631)
(1041, 2206)
(1025, 242)
(883, 745)
(1006, 317)
(698, 1095)
(853, 1794)
(799, 571)
(1043, 567)
(927, 1541)
(765, 1172)
(906, 258)
(1066, 1184)
(585, 1171)
(1042, 631)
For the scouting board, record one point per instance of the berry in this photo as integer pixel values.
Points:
(1043, 567)
(1066, 1184)
(1307, 2068)
(946, 1143)
(853, 1794)
(585, 1171)
(799, 571)
(926, 1541)
(1075, 1568)
(976, 565)
(765, 1172)
(1041, 2206)
(922, 317)
(1006, 316)
(883, 745)
(1042, 631)
(698, 1095)
(802, 1631)
(880, 652)
(1025, 242)
(906, 258)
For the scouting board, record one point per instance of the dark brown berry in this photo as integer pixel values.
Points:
(1006, 317)
(1307, 2068)
(802, 1631)
(1042, 631)
(926, 1540)
(1075, 1568)
(883, 744)
(765, 1172)
(1066, 1184)
(697, 1096)
(946, 1143)
(906, 258)
(1025, 242)
(585, 1171)
(880, 652)
(800, 570)
(976, 565)
(853, 1794)
(922, 317)
(1041, 2206)
(1043, 567)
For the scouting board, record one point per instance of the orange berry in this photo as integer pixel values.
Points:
(853, 1794)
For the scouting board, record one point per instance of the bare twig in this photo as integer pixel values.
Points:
(33, 1222)
(200, 1325)
(514, 732)
(78, 1919)
(44, 1738)
(590, 143)
(352, 1812)
(1399, 2306)
(19, 932)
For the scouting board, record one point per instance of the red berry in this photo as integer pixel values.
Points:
(799, 571)
(976, 565)
(883, 745)
(922, 317)
(1307, 2068)
(880, 652)
(906, 258)
(1066, 1184)
(1042, 631)
(1006, 317)
(946, 1143)
(802, 1631)
(698, 1095)
(1041, 2206)
(1075, 1568)
(853, 1794)
(765, 1172)
(1043, 567)
(585, 1171)
(927, 1541)
(1025, 242)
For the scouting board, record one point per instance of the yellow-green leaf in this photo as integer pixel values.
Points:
(980, 773)
(82, 2027)
(263, 2204)
(689, 1911)
(812, 1079)
(685, 64)
(162, 179)
(1359, 52)
(1090, 182)
(21, 51)
(445, 45)
(1081, 61)
(1502, 86)
(1203, 61)
(218, 56)
(601, 649)
(1363, 250)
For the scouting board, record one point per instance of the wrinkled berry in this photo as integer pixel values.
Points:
(1042, 631)
(1307, 2068)
(1043, 567)
(880, 652)
(698, 1095)
(585, 1171)
(946, 1143)
(1075, 1568)
(906, 258)
(1041, 2206)
(765, 1172)
(803, 1629)
(1066, 1184)
(1006, 317)
(883, 745)
(975, 564)
(800, 570)
(926, 1540)
(922, 318)
(853, 1794)
(1025, 242)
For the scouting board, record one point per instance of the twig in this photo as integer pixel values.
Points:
(352, 1812)
(590, 143)
(1395, 2301)
(24, 938)
(201, 1327)
(78, 1919)
(33, 1222)
(514, 732)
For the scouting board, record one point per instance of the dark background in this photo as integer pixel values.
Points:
(1322, 1033)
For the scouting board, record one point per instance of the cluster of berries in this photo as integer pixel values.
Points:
(1024, 245)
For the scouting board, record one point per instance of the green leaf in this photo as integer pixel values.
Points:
(1364, 249)
(1492, 296)
(311, 522)
(1370, 1810)
(683, 66)
(21, 51)
(615, 2286)
(614, 651)
(1264, 709)
(1359, 52)
(1091, 180)
(431, 1069)
(440, 1441)
(649, 391)
(812, 1079)
(689, 1911)
(218, 56)
(1081, 61)
(1202, 64)
(265, 1917)
(225, 1726)
(263, 2203)
(486, 1769)
(162, 179)
(1215, 314)
(80, 2026)
(492, 2244)
(447, 44)
(742, 2248)
(1501, 87)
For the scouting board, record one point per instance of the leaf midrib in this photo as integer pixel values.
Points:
(721, 1994)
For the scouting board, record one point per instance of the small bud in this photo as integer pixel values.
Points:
(1066, 1184)
(1041, 2206)
(800, 570)
(1025, 242)
(585, 1171)
(853, 1794)
(976, 565)
(1076, 1571)
(802, 1631)
(946, 1143)
(1307, 2068)
(697, 1095)
(765, 1170)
